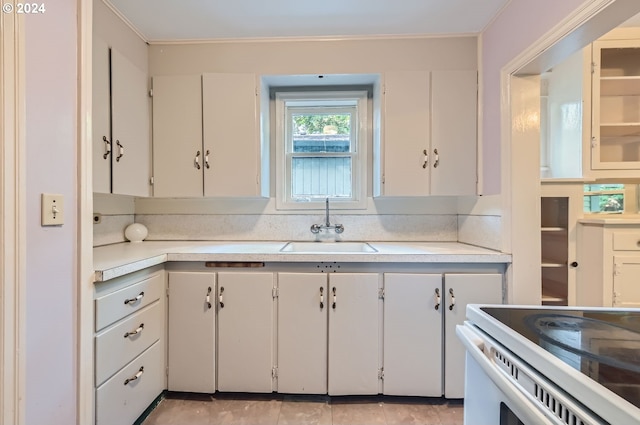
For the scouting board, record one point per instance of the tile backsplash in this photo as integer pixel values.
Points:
(296, 227)
(477, 230)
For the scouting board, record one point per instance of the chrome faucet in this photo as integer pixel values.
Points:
(316, 228)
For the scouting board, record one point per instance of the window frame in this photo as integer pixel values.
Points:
(284, 145)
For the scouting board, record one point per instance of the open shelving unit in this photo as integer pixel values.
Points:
(554, 233)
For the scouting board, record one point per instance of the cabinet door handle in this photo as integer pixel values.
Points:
(436, 160)
(575, 263)
(208, 299)
(107, 147)
(452, 303)
(120, 151)
(321, 298)
(334, 298)
(135, 331)
(134, 300)
(206, 159)
(136, 376)
(196, 160)
(426, 158)
(220, 297)
(437, 299)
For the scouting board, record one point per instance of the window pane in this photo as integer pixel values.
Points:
(320, 177)
(321, 132)
(605, 198)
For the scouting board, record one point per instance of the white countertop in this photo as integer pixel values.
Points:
(612, 219)
(112, 261)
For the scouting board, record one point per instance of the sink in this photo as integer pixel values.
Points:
(328, 247)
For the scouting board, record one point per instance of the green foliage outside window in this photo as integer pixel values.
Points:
(321, 124)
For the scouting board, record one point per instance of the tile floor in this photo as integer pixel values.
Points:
(243, 409)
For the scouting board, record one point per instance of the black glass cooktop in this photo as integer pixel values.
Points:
(602, 344)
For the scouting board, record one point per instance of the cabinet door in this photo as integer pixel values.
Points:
(454, 99)
(245, 331)
(406, 134)
(101, 118)
(191, 332)
(231, 137)
(353, 333)
(626, 290)
(131, 156)
(302, 333)
(178, 159)
(460, 290)
(412, 334)
(615, 105)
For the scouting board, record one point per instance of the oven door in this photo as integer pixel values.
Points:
(500, 389)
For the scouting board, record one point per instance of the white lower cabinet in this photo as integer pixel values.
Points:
(307, 332)
(459, 290)
(412, 323)
(328, 333)
(126, 395)
(129, 345)
(191, 353)
(303, 303)
(353, 333)
(245, 331)
(422, 355)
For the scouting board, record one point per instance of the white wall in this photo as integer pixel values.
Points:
(519, 25)
(51, 139)
(400, 218)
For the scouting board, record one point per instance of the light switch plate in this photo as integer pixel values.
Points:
(52, 209)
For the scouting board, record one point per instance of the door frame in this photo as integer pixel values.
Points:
(520, 182)
(12, 222)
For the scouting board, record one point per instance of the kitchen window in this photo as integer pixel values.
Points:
(611, 198)
(321, 149)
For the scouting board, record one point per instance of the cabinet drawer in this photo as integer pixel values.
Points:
(626, 241)
(121, 402)
(116, 305)
(118, 345)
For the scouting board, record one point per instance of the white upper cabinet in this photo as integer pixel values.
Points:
(206, 136)
(615, 138)
(231, 135)
(131, 142)
(406, 134)
(101, 118)
(122, 144)
(429, 133)
(454, 100)
(177, 136)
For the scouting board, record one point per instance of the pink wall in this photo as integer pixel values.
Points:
(51, 137)
(519, 25)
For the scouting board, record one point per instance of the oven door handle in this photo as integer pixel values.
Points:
(522, 404)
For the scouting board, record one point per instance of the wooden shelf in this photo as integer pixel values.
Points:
(552, 264)
(619, 130)
(620, 86)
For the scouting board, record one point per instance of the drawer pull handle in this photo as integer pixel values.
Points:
(134, 300)
(437, 295)
(334, 297)
(220, 297)
(321, 298)
(136, 376)
(453, 299)
(208, 299)
(135, 331)
(120, 150)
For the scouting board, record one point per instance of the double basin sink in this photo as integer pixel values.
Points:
(328, 247)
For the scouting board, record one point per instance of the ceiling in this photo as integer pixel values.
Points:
(162, 20)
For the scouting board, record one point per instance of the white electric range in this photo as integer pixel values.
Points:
(551, 365)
